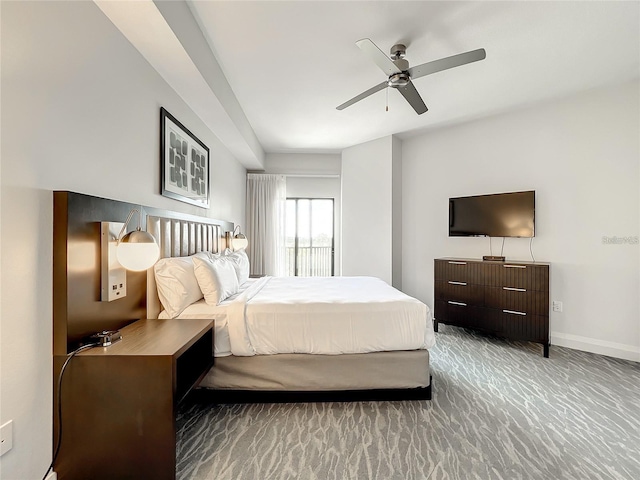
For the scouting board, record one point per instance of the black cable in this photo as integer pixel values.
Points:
(502, 249)
(64, 366)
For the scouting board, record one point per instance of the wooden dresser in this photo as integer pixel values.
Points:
(507, 299)
(119, 402)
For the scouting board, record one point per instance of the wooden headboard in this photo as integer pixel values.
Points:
(77, 308)
(179, 237)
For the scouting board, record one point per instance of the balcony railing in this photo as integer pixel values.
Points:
(312, 261)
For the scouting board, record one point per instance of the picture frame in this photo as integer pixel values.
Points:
(184, 163)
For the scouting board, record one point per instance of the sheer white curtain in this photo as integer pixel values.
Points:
(266, 202)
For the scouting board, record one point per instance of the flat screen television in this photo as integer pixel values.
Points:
(498, 215)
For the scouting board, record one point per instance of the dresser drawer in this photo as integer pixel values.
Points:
(459, 291)
(458, 271)
(532, 328)
(459, 314)
(531, 277)
(517, 299)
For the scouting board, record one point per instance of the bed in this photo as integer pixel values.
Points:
(283, 339)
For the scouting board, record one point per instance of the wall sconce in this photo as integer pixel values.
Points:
(134, 251)
(237, 241)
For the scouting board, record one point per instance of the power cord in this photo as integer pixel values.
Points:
(60, 375)
(531, 250)
(502, 249)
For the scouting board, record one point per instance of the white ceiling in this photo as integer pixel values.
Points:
(291, 63)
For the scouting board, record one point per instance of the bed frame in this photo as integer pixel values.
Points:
(185, 236)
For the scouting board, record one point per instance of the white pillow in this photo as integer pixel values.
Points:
(177, 284)
(240, 262)
(216, 277)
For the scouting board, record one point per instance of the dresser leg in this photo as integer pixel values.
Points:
(546, 350)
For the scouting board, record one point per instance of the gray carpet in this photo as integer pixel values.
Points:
(499, 411)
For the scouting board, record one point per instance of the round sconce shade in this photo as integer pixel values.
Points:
(137, 251)
(239, 242)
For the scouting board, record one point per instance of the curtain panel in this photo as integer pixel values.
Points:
(266, 202)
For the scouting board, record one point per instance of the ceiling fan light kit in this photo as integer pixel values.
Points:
(398, 80)
(399, 75)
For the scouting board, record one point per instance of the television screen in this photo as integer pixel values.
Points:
(499, 215)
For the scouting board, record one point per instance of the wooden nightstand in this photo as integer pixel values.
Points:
(119, 402)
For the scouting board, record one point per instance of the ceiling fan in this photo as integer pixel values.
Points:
(400, 75)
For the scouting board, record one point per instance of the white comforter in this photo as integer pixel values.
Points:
(331, 316)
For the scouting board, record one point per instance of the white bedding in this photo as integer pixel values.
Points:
(218, 313)
(318, 315)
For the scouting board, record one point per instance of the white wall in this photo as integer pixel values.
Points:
(80, 112)
(581, 155)
(396, 206)
(367, 209)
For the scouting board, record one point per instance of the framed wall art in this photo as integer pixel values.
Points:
(184, 163)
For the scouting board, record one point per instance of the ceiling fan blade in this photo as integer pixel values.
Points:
(413, 97)
(378, 56)
(364, 94)
(446, 63)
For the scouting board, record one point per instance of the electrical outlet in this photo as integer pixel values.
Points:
(6, 437)
(557, 306)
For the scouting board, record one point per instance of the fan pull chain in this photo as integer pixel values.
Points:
(387, 108)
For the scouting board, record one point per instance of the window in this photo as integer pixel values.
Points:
(309, 243)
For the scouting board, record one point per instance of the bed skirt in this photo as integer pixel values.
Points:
(313, 373)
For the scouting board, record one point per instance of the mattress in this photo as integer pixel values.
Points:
(317, 315)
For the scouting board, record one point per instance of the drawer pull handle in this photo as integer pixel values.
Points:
(458, 263)
(514, 312)
(464, 284)
(460, 304)
(513, 289)
(514, 266)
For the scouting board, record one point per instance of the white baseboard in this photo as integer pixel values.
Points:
(52, 476)
(601, 347)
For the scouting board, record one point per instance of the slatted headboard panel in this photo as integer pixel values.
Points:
(180, 238)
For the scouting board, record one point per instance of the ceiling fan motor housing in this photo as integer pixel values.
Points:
(401, 78)
(398, 51)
